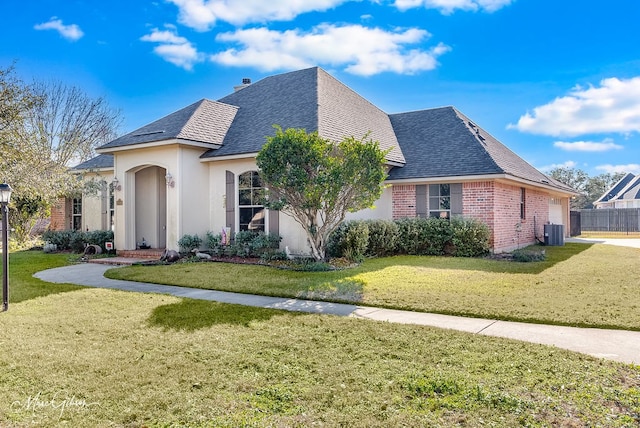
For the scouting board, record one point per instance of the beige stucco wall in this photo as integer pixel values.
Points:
(186, 203)
(382, 208)
(95, 204)
(293, 235)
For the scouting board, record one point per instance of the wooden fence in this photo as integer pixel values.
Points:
(610, 220)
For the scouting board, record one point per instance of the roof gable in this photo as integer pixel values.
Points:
(445, 143)
(615, 191)
(310, 99)
(204, 122)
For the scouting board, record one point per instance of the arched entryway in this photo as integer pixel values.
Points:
(151, 207)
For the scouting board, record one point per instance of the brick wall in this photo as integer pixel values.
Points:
(495, 204)
(477, 201)
(498, 205)
(59, 211)
(404, 201)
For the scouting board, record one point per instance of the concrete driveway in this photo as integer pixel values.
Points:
(621, 242)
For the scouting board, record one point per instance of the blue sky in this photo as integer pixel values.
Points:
(557, 81)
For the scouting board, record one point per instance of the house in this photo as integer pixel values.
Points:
(194, 170)
(624, 194)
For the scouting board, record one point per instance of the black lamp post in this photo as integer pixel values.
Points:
(5, 195)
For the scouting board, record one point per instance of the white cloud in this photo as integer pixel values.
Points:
(588, 146)
(447, 7)
(363, 51)
(203, 14)
(567, 164)
(614, 106)
(173, 48)
(70, 32)
(633, 168)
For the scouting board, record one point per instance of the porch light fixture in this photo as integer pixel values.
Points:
(170, 181)
(5, 196)
(116, 184)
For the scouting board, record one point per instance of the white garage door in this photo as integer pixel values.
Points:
(555, 211)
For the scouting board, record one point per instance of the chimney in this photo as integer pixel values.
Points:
(245, 82)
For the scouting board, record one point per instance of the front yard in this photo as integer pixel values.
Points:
(93, 357)
(578, 284)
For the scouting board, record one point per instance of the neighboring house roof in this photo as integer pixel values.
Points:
(633, 192)
(204, 122)
(310, 99)
(619, 189)
(104, 161)
(445, 143)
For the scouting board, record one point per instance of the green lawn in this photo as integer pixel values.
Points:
(94, 357)
(578, 284)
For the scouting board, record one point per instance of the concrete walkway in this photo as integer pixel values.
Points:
(617, 345)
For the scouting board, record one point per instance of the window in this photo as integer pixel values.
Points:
(440, 200)
(523, 198)
(112, 207)
(76, 213)
(251, 209)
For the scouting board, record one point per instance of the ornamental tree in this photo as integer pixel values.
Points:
(45, 128)
(317, 182)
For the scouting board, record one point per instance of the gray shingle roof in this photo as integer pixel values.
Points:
(205, 121)
(445, 143)
(634, 190)
(99, 162)
(441, 142)
(310, 99)
(614, 191)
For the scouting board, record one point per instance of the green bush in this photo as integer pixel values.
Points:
(188, 243)
(99, 237)
(529, 254)
(435, 235)
(212, 241)
(408, 241)
(414, 236)
(383, 237)
(470, 237)
(349, 240)
(76, 240)
(423, 236)
(245, 244)
(60, 238)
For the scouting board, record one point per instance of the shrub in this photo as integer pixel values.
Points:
(245, 244)
(408, 236)
(349, 240)
(435, 235)
(529, 254)
(212, 241)
(470, 237)
(383, 237)
(423, 236)
(76, 240)
(60, 238)
(188, 243)
(99, 237)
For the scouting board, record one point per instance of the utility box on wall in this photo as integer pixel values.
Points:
(554, 235)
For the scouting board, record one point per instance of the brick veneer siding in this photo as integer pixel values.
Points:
(498, 205)
(60, 215)
(404, 201)
(495, 204)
